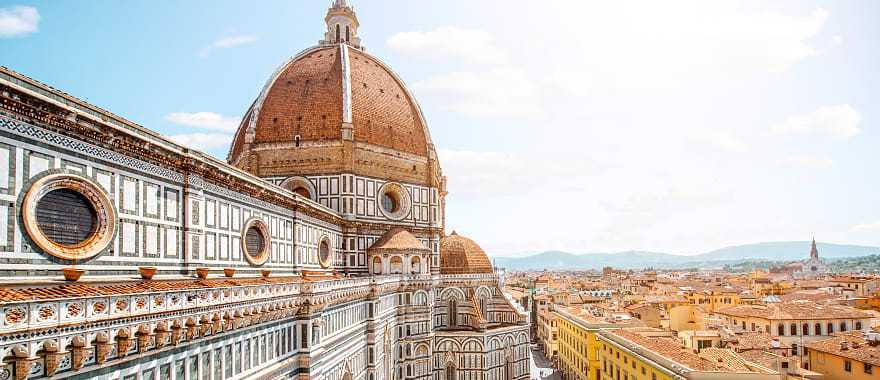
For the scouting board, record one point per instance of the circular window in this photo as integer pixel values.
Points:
(390, 202)
(68, 216)
(394, 201)
(324, 253)
(255, 241)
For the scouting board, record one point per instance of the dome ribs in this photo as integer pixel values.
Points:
(379, 115)
(304, 100)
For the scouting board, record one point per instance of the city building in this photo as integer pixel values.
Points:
(577, 345)
(812, 267)
(627, 354)
(853, 355)
(317, 252)
(797, 323)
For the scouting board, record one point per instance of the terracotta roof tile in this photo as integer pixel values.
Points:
(795, 310)
(398, 238)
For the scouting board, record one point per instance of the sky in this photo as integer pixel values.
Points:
(582, 126)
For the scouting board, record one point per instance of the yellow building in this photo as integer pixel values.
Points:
(714, 298)
(625, 354)
(850, 356)
(577, 344)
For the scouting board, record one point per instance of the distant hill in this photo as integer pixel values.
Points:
(782, 251)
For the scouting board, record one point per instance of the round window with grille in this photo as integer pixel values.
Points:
(255, 242)
(68, 216)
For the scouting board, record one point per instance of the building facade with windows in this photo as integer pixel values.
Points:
(797, 323)
(316, 252)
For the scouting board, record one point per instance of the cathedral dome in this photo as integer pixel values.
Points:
(461, 255)
(335, 108)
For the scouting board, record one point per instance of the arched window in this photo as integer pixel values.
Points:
(842, 326)
(858, 325)
(792, 329)
(396, 265)
(452, 313)
(830, 329)
(416, 265)
(337, 32)
(450, 372)
(347, 34)
(817, 329)
(805, 329)
(377, 265)
(781, 330)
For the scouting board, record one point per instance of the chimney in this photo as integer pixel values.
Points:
(855, 344)
(843, 346)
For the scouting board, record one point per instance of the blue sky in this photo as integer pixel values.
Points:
(581, 126)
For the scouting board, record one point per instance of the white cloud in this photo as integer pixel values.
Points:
(475, 46)
(867, 227)
(837, 40)
(202, 141)
(474, 174)
(838, 121)
(804, 162)
(502, 91)
(228, 42)
(722, 140)
(18, 21)
(204, 120)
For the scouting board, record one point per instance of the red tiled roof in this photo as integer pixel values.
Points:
(864, 352)
(795, 310)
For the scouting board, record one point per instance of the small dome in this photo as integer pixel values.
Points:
(460, 255)
(398, 239)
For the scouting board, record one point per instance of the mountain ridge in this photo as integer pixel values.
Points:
(633, 259)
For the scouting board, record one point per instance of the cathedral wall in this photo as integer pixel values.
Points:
(166, 218)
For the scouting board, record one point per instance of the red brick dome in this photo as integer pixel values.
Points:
(461, 255)
(320, 100)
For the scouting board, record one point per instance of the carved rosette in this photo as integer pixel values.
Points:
(105, 215)
(256, 258)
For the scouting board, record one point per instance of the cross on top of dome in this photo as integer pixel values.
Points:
(342, 25)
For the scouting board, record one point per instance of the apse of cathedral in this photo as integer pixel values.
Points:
(317, 251)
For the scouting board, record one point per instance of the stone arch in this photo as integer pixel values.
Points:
(495, 343)
(420, 297)
(301, 186)
(422, 350)
(377, 265)
(483, 292)
(415, 265)
(395, 265)
(448, 345)
(449, 293)
(472, 345)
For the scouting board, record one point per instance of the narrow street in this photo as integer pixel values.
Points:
(541, 367)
